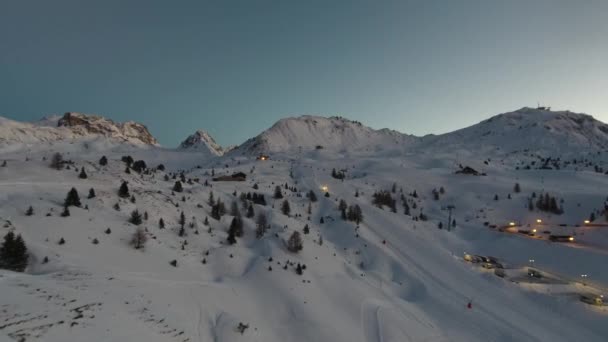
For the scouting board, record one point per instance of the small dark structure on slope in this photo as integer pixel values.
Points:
(235, 177)
(467, 170)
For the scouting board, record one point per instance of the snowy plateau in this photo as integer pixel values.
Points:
(332, 231)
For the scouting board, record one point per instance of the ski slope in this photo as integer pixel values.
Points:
(392, 278)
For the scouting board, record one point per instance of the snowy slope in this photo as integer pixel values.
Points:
(392, 278)
(305, 133)
(203, 142)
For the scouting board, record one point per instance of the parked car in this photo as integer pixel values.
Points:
(592, 299)
(534, 273)
(500, 272)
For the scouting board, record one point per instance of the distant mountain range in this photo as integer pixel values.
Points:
(526, 128)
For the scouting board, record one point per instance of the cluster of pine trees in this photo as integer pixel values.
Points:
(338, 174)
(383, 198)
(549, 204)
(13, 253)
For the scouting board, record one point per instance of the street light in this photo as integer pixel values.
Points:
(511, 223)
(587, 221)
(539, 221)
(324, 188)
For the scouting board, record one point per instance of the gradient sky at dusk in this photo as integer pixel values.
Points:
(235, 67)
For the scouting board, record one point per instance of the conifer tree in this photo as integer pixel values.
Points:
(57, 161)
(182, 219)
(161, 223)
(234, 209)
(72, 199)
(123, 191)
(312, 196)
(517, 188)
(285, 208)
(262, 225)
(211, 200)
(178, 187)
(277, 192)
(135, 217)
(139, 238)
(30, 211)
(83, 174)
(103, 161)
(91, 193)
(294, 244)
(250, 212)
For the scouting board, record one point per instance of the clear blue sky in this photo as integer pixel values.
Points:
(235, 67)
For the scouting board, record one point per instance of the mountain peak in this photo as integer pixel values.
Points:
(202, 140)
(309, 132)
(73, 126)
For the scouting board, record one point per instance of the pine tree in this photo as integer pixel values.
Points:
(262, 225)
(517, 188)
(277, 192)
(91, 193)
(132, 199)
(306, 229)
(250, 212)
(206, 222)
(178, 187)
(342, 207)
(57, 161)
(139, 238)
(103, 161)
(355, 214)
(135, 217)
(30, 211)
(236, 226)
(116, 206)
(234, 209)
(161, 223)
(294, 244)
(83, 174)
(72, 199)
(182, 220)
(123, 191)
(356, 193)
(128, 170)
(285, 208)
(211, 200)
(309, 210)
(312, 196)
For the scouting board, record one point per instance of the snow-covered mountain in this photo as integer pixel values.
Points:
(73, 127)
(527, 128)
(308, 132)
(202, 141)
(396, 275)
